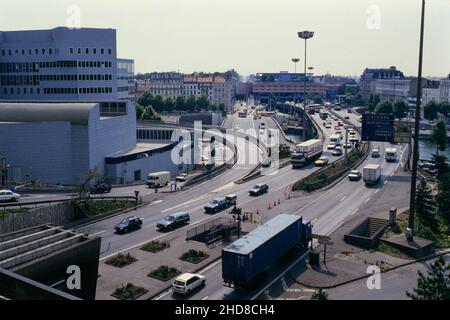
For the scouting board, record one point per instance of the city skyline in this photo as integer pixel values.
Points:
(183, 36)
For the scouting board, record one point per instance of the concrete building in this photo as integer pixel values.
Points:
(370, 76)
(444, 90)
(431, 94)
(39, 261)
(62, 64)
(126, 83)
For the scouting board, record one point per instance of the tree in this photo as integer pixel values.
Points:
(374, 100)
(443, 196)
(358, 100)
(317, 99)
(434, 286)
(401, 108)
(425, 208)
(139, 111)
(180, 103)
(84, 187)
(146, 99)
(444, 108)
(320, 295)
(203, 102)
(384, 106)
(150, 114)
(430, 110)
(222, 107)
(191, 104)
(439, 136)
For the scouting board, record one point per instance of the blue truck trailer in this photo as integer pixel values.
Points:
(247, 261)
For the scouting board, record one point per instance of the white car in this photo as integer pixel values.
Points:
(188, 282)
(7, 195)
(331, 146)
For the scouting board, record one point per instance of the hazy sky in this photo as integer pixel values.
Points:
(256, 35)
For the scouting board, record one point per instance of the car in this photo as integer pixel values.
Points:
(328, 126)
(237, 127)
(259, 189)
(266, 163)
(346, 117)
(128, 224)
(218, 204)
(375, 153)
(331, 146)
(182, 177)
(354, 175)
(347, 146)
(8, 195)
(188, 282)
(337, 152)
(353, 139)
(322, 161)
(427, 165)
(102, 187)
(340, 123)
(173, 220)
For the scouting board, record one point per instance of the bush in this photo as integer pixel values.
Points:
(194, 256)
(7, 212)
(163, 273)
(121, 260)
(155, 246)
(129, 292)
(95, 207)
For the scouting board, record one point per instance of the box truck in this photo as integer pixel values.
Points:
(306, 152)
(372, 173)
(391, 154)
(158, 179)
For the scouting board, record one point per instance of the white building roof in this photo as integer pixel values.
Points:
(76, 113)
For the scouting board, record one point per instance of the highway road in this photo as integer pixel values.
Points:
(327, 211)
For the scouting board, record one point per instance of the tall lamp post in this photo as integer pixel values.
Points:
(295, 61)
(412, 199)
(305, 35)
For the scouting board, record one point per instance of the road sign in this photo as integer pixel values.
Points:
(401, 132)
(321, 237)
(377, 127)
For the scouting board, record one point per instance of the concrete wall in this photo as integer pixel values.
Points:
(57, 214)
(43, 147)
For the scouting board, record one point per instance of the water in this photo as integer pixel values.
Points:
(428, 148)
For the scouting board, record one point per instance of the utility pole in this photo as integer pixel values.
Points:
(4, 171)
(412, 199)
(305, 35)
(346, 141)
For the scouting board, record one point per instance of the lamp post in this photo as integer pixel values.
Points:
(412, 199)
(295, 61)
(305, 35)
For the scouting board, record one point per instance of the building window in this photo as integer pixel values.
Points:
(79, 50)
(87, 50)
(109, 51)
(102, 51)
(71, 50)
(95, 51)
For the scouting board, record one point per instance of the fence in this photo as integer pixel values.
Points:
(207, 226)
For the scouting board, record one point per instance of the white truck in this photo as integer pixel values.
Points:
(336, 139)
(306, 152)
(158, 179)
(391, 154)
(372, 173)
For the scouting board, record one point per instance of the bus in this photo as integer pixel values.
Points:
(323, 114)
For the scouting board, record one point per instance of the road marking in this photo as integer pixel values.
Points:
(343, 198)
(163, 294)
(97, 233)
(156, 202)
(284, 284)
(378, 190)
(210, 266)
(386, 182)
(367, 200)
(205, 298)
(314, 220)
(355, 211)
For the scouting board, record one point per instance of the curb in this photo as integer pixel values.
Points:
(434, 255)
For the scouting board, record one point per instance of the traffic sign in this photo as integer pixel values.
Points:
(377, 127)
(401, 132)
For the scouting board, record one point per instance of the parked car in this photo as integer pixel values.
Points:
(331, 146)
(337, 152)
(173, 221)
(347, 146)
(219, 204)
(354, 175)
(259, 189)
(8, 195)
(266, 163)
(102, 187)
(128, 224)
(182, 177)
(346, 117)
(322, 161)
(188, 282)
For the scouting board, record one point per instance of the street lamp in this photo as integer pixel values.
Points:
(412, 199)
(295, 61)
(305, 35)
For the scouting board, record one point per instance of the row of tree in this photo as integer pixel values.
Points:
(189, 104)
(432, 108)
(147, 113)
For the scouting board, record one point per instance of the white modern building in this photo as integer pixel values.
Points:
(62, 64)
(126, 82)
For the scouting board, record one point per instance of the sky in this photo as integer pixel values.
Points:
(255, 35)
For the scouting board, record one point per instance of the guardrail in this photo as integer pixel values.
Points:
(4, 206)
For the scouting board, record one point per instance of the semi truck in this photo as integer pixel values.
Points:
(371, 174)
(247, 262)
(391, 154)
(306, 152)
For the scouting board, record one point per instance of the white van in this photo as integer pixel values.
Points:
(158, 179)
(336, 139)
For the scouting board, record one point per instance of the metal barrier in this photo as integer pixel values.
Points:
(207, 226)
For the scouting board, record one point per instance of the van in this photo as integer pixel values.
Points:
(188, 282)
(158, 179)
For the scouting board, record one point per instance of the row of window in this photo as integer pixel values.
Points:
(9, 67)
(51, 51)
(36, 79)
(18, 91)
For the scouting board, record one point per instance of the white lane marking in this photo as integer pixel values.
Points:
(343, 198)
(97, 233)
(312, 222)
(210, 266)
(367, 200)
(205, 298)
(377, 191)
(354, 211)
(156, 202)
(163, 294)
(386, 182)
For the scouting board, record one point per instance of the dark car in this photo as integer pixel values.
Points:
(173, 220)
(217, 205)
(102, 187)
(128, 224)
(259, 189)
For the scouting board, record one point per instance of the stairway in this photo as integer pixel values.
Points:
(374, 226)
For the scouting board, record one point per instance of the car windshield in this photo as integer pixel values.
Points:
(125, 221)
(179, 283)
(169, 218)
(354, 172)
(215, 201)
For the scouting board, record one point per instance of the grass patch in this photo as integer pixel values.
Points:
(7, 212)
(155, 246)
(129, 292)
(121, 260)
(323, 178)
(386, 248)
(164, 273)
(194, 256)
(96, 207)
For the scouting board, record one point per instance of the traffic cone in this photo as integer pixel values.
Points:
(270, 207)
(274, 203)
(279, 201)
